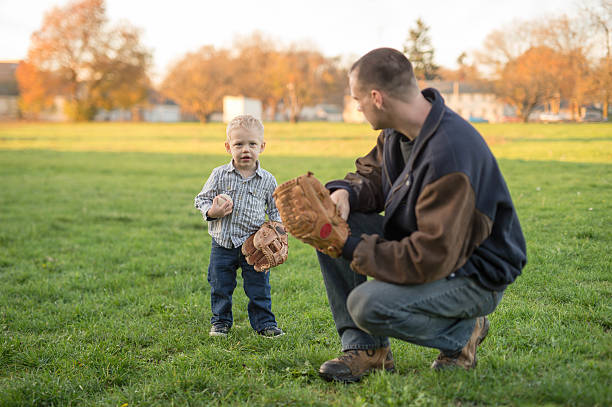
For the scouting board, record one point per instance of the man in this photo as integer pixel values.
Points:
(448, 244)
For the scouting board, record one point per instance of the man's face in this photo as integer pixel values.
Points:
(365, 104)
(245, 146)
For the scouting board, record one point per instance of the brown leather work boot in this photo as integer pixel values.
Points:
(353, 364)
(466, 358)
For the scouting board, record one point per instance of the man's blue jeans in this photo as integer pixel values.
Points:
(440, 314)
(222, 279)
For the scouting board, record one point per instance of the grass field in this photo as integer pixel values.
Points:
(104, 301)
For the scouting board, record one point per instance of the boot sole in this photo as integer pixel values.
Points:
(350, 379)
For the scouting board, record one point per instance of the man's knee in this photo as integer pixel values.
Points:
(361, 305)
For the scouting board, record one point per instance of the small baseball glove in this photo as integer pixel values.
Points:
(268, 247)
(310, 215)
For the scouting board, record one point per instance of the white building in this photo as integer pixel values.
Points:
(473, 102)
(236, 105)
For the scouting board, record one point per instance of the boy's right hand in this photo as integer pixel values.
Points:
(221, 207)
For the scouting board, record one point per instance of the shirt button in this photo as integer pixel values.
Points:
(452, 275)
(408, 183)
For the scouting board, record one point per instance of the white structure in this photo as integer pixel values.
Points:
(322, 112)
(473, 102)
(235, 105)
(55, 113)
(162, 113)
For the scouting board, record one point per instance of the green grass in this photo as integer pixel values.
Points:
(562, 142)
(104, 301)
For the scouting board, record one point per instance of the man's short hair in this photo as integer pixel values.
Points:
(388, 70)
(245, 121)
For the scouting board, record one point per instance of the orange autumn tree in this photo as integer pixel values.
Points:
(199, 80)
(531, 79)
(77, 56)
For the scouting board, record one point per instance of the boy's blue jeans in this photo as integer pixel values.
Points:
(222, 279)
(440, 314)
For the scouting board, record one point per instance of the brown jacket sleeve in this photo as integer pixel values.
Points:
(449, 229)
(366, 181)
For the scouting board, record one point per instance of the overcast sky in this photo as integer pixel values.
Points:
(335, 27)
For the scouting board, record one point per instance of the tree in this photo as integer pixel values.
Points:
(77, 56)
(466, 72)
(260, 70)
(599, 14)
(305, 70)
(420, 52)
(199, 81)
(531, 79)
(505, 45)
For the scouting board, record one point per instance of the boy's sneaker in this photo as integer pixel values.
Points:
(271, 332)
(219, 329)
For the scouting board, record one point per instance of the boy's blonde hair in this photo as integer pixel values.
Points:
(245, 121)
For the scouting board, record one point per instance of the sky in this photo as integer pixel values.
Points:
(347, 28)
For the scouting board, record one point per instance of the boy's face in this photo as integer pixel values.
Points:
(245, 146)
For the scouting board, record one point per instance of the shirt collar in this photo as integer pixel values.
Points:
(230, 168)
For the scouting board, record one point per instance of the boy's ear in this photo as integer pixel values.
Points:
(262, 147)
(227, 147)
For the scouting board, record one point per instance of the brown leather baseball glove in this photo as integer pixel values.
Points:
(268, 247)
(310, 215)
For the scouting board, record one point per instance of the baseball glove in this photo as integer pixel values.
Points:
(268, 247)
(310, 215)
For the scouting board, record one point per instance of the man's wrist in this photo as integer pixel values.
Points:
(349, 247)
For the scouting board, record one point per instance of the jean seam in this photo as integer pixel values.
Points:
(359, 347)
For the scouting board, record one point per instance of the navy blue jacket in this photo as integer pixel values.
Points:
(447, 211)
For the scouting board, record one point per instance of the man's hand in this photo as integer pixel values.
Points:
(341, 198)
(221, 206)
(310, 215)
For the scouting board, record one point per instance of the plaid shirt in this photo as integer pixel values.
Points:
(252, 201)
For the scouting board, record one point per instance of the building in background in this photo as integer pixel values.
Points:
(156, 109)
(474, 102)
(236, 105)
(9, 91)
(324, 112)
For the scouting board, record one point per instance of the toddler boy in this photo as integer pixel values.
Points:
(235, 200)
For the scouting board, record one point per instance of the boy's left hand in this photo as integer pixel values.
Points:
(222, 205)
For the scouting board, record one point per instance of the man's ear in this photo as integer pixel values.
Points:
(377, 98)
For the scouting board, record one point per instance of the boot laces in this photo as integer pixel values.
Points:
(351, 354)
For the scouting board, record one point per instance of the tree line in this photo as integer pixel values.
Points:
(546, 61)
(78, 55)
(254, 67)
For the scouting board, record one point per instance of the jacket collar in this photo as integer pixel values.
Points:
(400, 175)
(432, 122)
